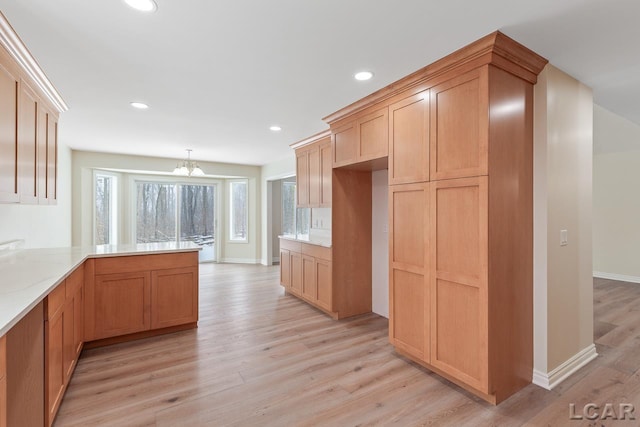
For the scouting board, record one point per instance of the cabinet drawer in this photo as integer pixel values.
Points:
(316, 251)
(55, 300)
(133, 263)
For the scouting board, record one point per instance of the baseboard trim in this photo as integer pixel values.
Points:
(614, 276)
(556, 376)
(241, 261)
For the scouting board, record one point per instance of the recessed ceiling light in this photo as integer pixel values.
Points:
(275, 128)
(142, 5)
(363, 75)
(139, 105)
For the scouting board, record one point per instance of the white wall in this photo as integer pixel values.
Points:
(271, 172)
(276, 214)
(616, 205)
(563, 285)
(42, 226)
(84, 163)
(380, 243)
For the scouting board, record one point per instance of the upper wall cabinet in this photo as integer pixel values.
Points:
(460, 126)
(313, 171)
(29, 108)
(364, 139)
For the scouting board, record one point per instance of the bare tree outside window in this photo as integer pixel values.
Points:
(105, 220)
(289, 208)
(156, 212)
(238, 215)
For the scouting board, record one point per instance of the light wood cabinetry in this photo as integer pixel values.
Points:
(133, 294)
(313, 169)
(409, 121)
(63, 338)
(285, 269)
(3, 382)
(29, 108)
(295, 260)
(460, 211)
(364, 139)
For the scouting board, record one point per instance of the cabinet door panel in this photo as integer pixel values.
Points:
(43, 152)
(326, 171)
(3, 383)
(68, 331)
(309, 287)
(28, 145)
(285, 269)
(174, 297)
(459, 127)
(409, 140)
(314, 177)
(373, 135)
(324, 284)
(296, 273)
(122, 304)
(459, 308)
(52, 159)
(345, 145)
(78, 321)
(302, 179)
(8, 134)
(409, 289)
(55, 364)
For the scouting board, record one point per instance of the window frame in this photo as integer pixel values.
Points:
(113, 207)
(230, 224)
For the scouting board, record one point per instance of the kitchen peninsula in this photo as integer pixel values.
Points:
(53, 301)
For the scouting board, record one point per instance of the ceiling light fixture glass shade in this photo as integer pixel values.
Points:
(188, 167)
(139, 105)
(363, 75)
(142, 5)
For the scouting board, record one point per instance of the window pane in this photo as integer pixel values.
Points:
(197, 218)
(156, 213)
(103, 210)
(288, 208)
(303, 223)
(239, 221)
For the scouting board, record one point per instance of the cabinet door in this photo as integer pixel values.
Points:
(8, 135)
(302, 179)
(285, 269)
(459, 302)
(309, 287)
(296, 273)
(52, 159)
(409, 140)
(3, 382)
(78, 322)
(55, 379)
(373, 135)
(324, 284)
(314, 177)
(326, 172)
(174, 297)
(460, 127)
(43, 152)
(28, 145)
(122, 304)
(409, 284)
(345, 145)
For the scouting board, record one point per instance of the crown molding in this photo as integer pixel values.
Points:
(310, 140)
(495, 48)
(10, 40)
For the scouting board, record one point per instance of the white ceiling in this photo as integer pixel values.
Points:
(217, 74)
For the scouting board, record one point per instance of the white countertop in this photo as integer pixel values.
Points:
(318, 242)
(27, 276)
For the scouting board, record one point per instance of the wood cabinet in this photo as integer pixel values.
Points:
(313, 169)
(309, 268)
(409, 121)
(134, 294)
(29, 108)
(409, 277)
(63, 338)
(3, 381)
(460, 211)
(9, 82)
(365, 138)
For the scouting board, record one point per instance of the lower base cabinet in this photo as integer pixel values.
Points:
(305, 271)
(3, 382)
(134, 294)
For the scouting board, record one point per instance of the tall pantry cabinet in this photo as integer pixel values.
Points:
(460, 136)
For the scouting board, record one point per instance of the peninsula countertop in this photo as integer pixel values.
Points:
(27, 276)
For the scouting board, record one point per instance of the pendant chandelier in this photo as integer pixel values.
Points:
(188, 167)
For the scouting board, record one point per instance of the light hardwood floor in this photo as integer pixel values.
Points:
(261, 358)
